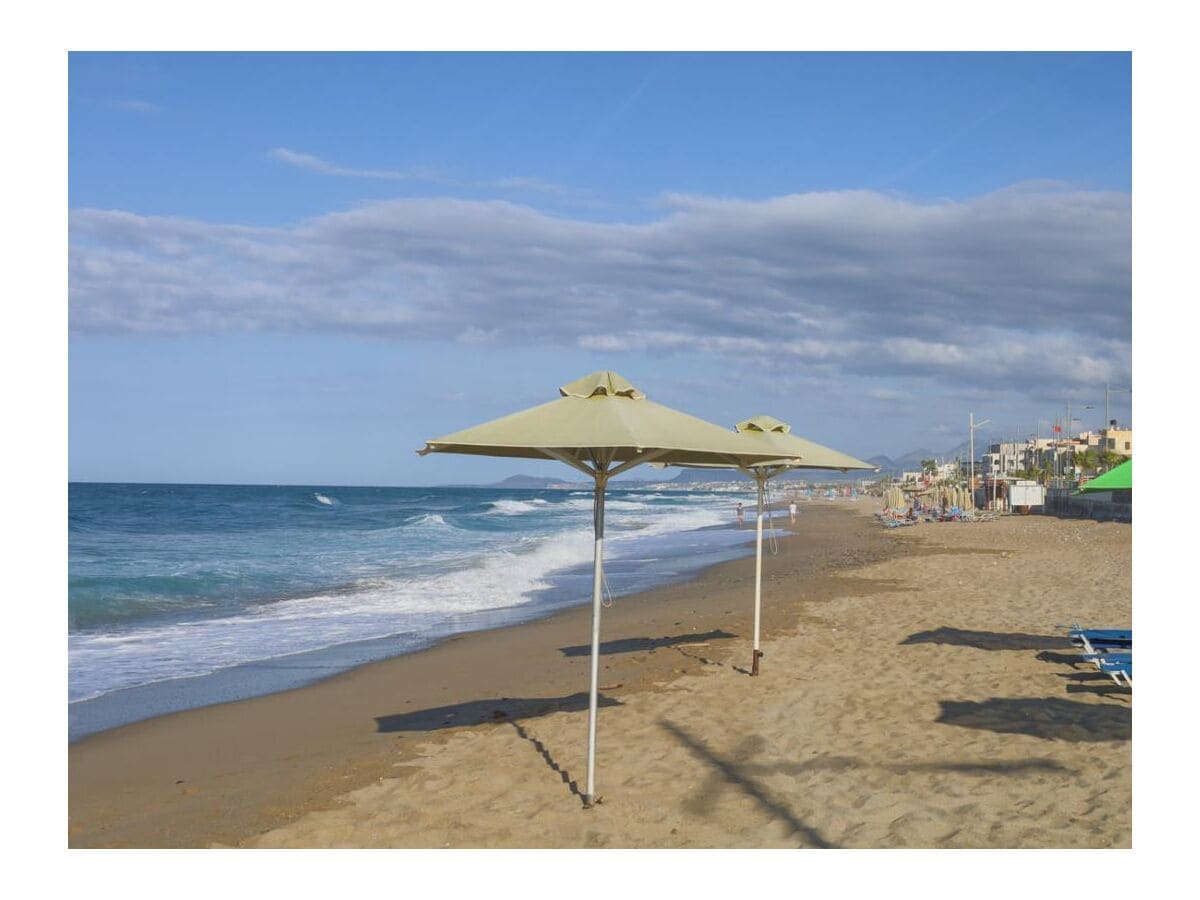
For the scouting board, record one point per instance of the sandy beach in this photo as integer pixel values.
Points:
(914, 693)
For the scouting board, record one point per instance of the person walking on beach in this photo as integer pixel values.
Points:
(792, 511)
(741, 514)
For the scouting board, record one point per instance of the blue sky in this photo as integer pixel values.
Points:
(296, 267)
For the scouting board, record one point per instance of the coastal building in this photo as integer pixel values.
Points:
(1005, 459)
(1115, 439)
(942, 472)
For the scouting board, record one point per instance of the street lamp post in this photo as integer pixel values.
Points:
(1068, 424)
(1066, 434)
(1112, 390)
(974, 425)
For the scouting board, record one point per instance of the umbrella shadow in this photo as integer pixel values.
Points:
(644, 644)
(506, 710)
(549, 759)
(988, 640)
(1050, 718)
(736, 770)
(475, 712)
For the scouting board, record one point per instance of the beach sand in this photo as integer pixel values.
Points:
(914, 693)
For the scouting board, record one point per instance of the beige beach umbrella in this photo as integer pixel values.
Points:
(601, 425)
(766, 434)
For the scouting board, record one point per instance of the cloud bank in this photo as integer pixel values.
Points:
(1033, 281)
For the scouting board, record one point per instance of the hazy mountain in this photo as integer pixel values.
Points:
(700, 476)
(532, 483)
(912, 459)
(692, 476)
(537, 483)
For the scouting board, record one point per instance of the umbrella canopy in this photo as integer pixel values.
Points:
(602, 425)
(602, 419)
(1118, 479)
(767, 431)
(769, 435)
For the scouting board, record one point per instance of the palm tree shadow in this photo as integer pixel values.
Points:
(730, 771)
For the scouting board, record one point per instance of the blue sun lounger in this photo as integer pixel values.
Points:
(1119, 666)
(1109, 649)
(1098, 640)
(1101, 655)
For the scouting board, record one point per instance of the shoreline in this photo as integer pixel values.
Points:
(274, 674)
(225, 772)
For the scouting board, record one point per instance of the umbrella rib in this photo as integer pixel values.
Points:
(569, 460)
(644, 458)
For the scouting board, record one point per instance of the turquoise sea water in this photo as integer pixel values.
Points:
(185, 595)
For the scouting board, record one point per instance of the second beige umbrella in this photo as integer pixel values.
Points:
(769, 435)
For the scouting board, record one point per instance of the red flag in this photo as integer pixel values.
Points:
(1058, 429)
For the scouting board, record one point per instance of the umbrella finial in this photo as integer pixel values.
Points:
(763, 423)
(603, 383)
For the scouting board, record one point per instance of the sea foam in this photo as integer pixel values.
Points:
(204, 579)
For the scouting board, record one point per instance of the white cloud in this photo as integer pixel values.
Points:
(325, 167)
(425, 174)
(1031, 281)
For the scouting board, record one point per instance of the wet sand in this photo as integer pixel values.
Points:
(913, 693)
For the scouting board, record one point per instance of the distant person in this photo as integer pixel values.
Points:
(792, 510)
(741, 515)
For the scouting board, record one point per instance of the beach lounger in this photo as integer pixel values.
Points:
(1114, 663)
(1099, 640)
(1109, 649)
(1119, 667)
(1101, 646)
(1116, 634)
(1100, 656)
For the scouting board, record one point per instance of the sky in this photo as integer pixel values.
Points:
(296, 268)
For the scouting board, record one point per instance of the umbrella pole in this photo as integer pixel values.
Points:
(762, 483)
(590, 798)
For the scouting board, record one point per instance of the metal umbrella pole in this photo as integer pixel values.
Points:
(589, 799)
(761, 479)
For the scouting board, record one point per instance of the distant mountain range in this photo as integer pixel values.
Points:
(532, 483)
(909, 462)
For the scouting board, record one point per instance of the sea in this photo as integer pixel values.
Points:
(181, 596)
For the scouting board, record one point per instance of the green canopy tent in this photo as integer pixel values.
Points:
(602, 425)
(1118, 479)
(767, 434)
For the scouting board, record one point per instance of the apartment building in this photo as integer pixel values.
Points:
(1116, 440)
